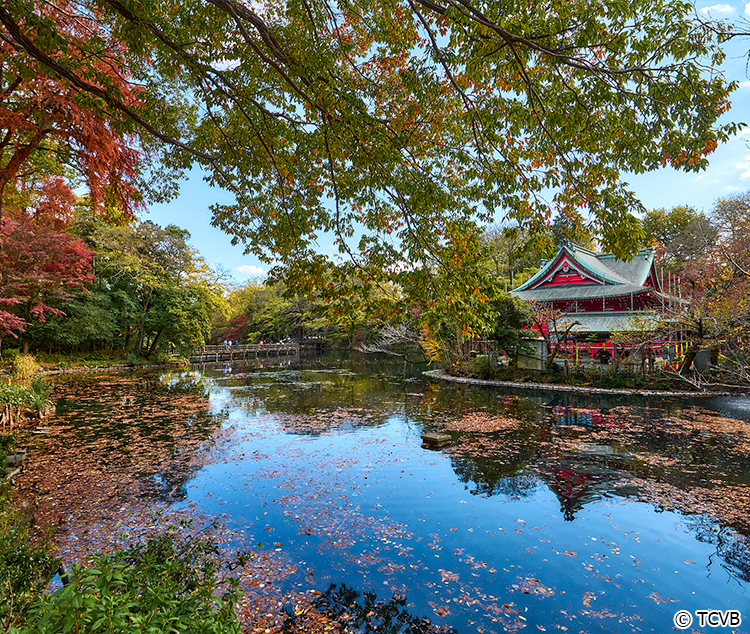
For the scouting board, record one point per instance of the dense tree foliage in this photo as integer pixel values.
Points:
(39, 267)
(395, 124)
(394, 127)
(150, 290)
(268, 312)
(512, 252)
(731, 218)
(52, 135)
(706, 281)
(683, 233)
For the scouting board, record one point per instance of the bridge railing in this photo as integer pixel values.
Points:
(246, 347)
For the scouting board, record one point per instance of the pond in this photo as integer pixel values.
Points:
(545, 512)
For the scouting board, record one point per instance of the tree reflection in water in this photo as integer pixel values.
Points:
(325, 463)
(732, 548)
(362, 613)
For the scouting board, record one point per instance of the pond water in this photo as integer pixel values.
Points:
(545, 512)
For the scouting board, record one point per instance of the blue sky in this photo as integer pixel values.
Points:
(729, 172)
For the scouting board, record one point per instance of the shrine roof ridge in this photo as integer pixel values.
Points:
(605, 269)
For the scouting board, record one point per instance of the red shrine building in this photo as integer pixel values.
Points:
(597, 290)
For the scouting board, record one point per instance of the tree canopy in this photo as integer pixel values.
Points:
(683, 233)
(52, 136)
(38, 265)
(394, 125)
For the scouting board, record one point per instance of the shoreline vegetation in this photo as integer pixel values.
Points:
(184, 567)
(582, 379)
(620, 381)
(528, 384)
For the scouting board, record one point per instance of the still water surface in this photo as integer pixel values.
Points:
(546, 512)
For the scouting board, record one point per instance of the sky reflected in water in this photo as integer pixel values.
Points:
(545, 512)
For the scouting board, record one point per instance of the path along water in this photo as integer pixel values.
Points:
(546, 512)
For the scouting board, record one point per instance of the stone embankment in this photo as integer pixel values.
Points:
(582, 389)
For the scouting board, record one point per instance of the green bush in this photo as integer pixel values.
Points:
(14, 395)
(7, 441)
(9, 354)
(25, 568)
(169, 583)
(35, 396)
(160, 358)
(620, 379)
(70, 359)
(482, 368)
(40, 391)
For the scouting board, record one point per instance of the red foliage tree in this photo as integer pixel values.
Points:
(48, 128)
(237, 328)
(37, 263)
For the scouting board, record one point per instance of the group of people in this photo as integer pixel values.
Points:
(228, 343)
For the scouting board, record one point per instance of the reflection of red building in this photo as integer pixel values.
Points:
(597, 290)
(574, 487)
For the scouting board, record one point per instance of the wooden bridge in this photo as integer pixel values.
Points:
(212, 354)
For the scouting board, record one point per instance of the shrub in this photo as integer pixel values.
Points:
(12, 395)
(160, 358)
(40, 391)
(9, 354)
(25, 568)
(169, 583)
(616, 380)
(481, 368)
(23, 367)
(6, 442)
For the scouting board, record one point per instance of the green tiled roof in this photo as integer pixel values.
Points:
(580, 291)
(617, 276)
(609, 322)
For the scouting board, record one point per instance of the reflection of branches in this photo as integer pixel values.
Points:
(401, 341)
(363, 613)
(731, 547)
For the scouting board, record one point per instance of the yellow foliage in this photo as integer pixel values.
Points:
(430, 346)
(23, 368)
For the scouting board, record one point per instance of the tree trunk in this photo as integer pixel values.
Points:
(550, 355)
(154, 343)
(140, 338)
(3, 182)
(19, 157)
(688, 360)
